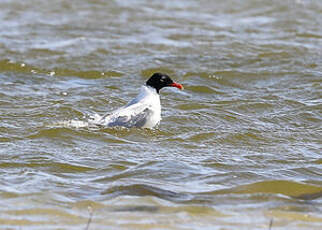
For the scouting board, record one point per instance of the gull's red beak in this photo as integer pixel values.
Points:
(177, 85)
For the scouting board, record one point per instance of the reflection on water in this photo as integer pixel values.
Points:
(239, 148)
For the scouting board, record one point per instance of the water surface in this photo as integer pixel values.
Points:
(239, 148)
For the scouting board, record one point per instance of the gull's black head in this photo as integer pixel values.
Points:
(159, 80)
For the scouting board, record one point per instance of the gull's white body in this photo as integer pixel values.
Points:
(144, 111)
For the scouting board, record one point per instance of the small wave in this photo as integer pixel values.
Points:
(287, 188)
(7, 65)
(146, 190)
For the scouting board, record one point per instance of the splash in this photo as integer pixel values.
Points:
(93, 121)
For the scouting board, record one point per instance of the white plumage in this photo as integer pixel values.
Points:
(144, 111)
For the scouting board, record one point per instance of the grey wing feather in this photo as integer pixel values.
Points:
(137, 120)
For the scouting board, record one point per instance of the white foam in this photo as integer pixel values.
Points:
(93, 121)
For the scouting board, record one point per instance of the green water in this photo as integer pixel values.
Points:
(239, 148)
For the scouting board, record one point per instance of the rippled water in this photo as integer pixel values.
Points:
(239, 148)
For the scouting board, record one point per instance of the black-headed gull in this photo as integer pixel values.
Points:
(144, 111)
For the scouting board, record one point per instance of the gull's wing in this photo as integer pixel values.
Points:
(132, 115)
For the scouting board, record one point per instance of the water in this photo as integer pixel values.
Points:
(239, 148)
